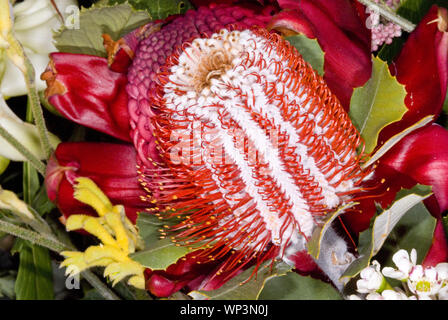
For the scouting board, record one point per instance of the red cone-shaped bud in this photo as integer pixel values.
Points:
(111, 166)
(83, 89)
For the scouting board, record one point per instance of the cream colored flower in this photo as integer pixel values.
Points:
(25, 133)
(34, 24)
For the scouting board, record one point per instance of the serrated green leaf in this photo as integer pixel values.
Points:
(116, 21)
(373, 239)
(240, 288)
(293, 286)
(35, 278)
(310, 51)
(377, 104)
(160, 255)
(159, 9)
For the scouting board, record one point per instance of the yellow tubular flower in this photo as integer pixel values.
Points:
(118, 237)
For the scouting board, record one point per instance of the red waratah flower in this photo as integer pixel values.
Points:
(215, 82)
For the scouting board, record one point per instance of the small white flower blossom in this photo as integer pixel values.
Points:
(371, 279)
(404, 263)
(396, 294)
(34, 24)
(426, 283)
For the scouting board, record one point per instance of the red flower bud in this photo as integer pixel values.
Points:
(110, 166)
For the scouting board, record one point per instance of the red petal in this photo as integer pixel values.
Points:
(421, 157)
(342, 35)
(422, 67)
(111, 166)
(439, 249)
(83, 89)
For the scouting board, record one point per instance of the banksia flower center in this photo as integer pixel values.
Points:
(255, 149)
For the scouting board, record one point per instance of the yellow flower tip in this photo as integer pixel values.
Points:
(94, 253)
(120, 270)
(75, 222)
(87, 192)
(74, 262)
(138, 282)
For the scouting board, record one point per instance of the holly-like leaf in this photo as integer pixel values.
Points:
(373, 239)
(310, 51)
(160, 255)
(116, 21)
(159, 9)
(35, 278)
(377, 104)
(293, 286)
(243, 288)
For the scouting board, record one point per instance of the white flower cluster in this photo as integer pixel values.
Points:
(383, 32)
(418, 282)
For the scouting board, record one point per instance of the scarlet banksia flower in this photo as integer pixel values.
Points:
(255, 149)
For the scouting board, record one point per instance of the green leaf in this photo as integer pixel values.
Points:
(310, 51)
(293, 286)
(243, 288)
(148, 226)
(395, 139)
(377, 104)
(7, 282)
(414, 231)
(159, 9)
(373, 239)
(35, 278)
(160, 255)
(116, 21)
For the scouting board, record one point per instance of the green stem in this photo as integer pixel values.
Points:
(39, 165)
(32, 236)
(36, 108)
(55, 245)
(390, 15)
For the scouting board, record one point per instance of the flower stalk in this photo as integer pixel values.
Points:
(388, 14)
(35, 162)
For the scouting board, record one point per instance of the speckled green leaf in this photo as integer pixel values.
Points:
(373, 239)
(377, 104)
(293, 286)
(160, 255)
(159, 9)
(240, 288)
(310, 51)
(115, 20)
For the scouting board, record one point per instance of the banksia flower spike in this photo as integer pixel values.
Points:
(270, 150)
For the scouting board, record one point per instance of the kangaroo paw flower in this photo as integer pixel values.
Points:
(117, 235)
